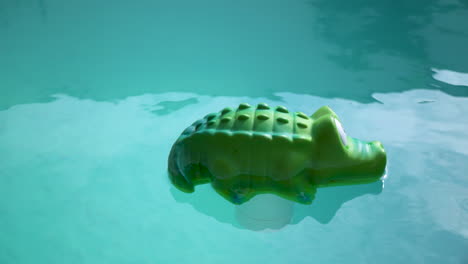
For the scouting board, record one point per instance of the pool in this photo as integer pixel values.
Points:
(94, 93)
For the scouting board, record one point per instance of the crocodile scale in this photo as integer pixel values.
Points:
(261, 120)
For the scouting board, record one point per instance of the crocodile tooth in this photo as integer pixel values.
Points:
(243, 117)
(302, 115)
(210, 117)
(282, 109)
(226, 110)
(263, 106)
(282, 120)
(244, 106)
(301, 125)
(212, 122)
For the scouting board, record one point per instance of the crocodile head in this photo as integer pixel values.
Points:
(341, 159)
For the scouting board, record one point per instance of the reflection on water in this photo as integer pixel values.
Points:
(451, 77)
(87, 180)
(253, 49)
(167, 107)
(272, 212)
(265, 211)
(329, 200)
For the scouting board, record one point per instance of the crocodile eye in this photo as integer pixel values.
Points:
(344, 138)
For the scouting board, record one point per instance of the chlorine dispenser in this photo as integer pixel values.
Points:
(249, 150)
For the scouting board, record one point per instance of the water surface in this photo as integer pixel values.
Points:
(94, 93)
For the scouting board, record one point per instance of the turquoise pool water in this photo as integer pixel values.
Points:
(94, 93)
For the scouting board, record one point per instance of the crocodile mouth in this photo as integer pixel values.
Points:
(368, 162)
(366, 150)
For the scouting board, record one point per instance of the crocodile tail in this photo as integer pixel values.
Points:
(175, 174)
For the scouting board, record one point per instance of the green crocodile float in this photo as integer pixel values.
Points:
(252, 150)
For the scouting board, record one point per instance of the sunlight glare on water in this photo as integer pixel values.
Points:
(82, 175)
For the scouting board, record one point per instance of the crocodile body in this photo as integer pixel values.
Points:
(251, 150)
